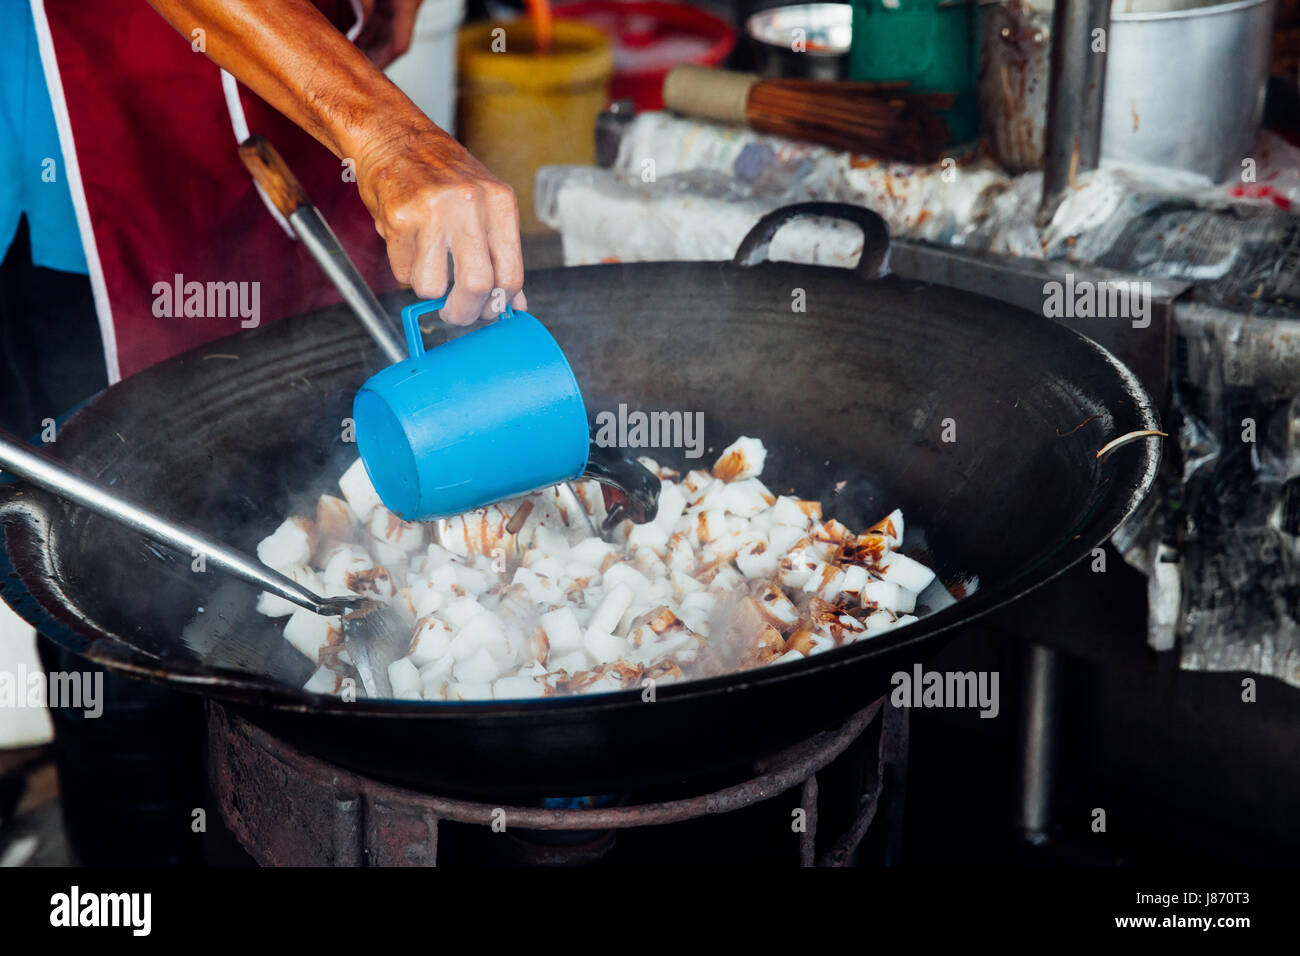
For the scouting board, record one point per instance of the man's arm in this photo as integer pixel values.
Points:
(427, 194)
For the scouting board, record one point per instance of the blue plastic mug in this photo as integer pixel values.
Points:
(493, 414)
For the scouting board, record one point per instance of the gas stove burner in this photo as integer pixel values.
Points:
(288, 808)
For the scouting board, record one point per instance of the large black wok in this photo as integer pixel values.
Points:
(856, 389)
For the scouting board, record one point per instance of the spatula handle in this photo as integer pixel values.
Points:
(277, 181)
(42, 470)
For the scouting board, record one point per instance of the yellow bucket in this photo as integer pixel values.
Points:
(519, 109)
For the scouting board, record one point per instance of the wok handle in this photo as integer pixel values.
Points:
(21, 460)
(873, 263)
(277, 181)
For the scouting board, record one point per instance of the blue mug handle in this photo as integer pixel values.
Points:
(411, 322)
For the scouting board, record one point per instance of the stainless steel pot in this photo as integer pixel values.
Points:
(802, 40)
(1185, 83)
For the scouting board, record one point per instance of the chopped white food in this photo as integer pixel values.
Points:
(289, 546)
(311, 633)
(358, 491)
(743, 458)
(521, 600)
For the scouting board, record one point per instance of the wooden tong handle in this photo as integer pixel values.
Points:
(270, 171)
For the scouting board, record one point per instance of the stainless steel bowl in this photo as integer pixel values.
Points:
(802, 40)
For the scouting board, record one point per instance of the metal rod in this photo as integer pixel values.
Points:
(1075, 95)
(1038, 730)
(41, 470)
(329, 254)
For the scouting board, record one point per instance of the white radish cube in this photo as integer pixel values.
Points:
(672, 502)
(743, 458)
(695, 482)
(473, 581)
(851, 584)
(891, 526)
(746, 497)
(425, 599)
(541, 590)
(405, 536)
(710, 525)
(479, 667)
(443, 580)
(563, 631)
(778, 608)
(404, 677)
(386, 555)
(310, 632)
(341, 566)
(650, 536)
(756, 559)
(435, 556)
(786, 511)
(727, 579)
(888, 596)
(572, 663)
(469, 690)
(334, 519)
(431, 642)
(359, 492)
(551, 543)
(879, 621)
(288, 546)
(695, 610)
(797, 565)
(684, 584)
(611, 609)
(436, 671)
(518, 688)
(460, 611)
(681, 556)
(604, 648)
(627, 575)
(906, 573)
(783, 537)
(322, 681)
(591, 551)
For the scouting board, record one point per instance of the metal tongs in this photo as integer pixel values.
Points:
(369, 628)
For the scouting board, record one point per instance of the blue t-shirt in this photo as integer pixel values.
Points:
(33, 181)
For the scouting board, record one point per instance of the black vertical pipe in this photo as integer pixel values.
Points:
(1076, 88)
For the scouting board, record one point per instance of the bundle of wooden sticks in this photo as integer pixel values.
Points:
(883, 120)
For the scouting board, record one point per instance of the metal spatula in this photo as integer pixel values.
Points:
(372, 631)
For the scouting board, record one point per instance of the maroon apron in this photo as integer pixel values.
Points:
(165, 195)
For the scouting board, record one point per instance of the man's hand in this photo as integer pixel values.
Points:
(429, 197)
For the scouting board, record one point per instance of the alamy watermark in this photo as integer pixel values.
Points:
(208, 300)
(1107, 299)
(66, 690)
(638, 429)
(956, 689)
(75, 908)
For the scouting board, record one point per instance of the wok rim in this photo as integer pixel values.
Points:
(63, 622)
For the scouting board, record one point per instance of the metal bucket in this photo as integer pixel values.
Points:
(1184, 83)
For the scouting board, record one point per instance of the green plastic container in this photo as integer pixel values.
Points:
(931, 44)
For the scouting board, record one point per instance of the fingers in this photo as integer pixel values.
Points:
(474, 278)
(402, 255)
(505, 249)
(429, 278)
(476, 220)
